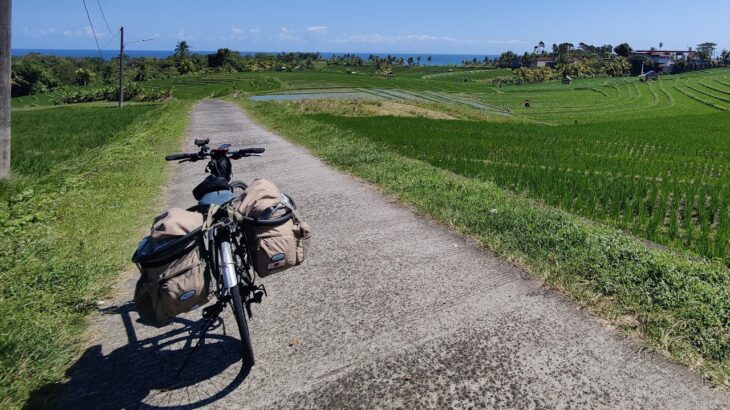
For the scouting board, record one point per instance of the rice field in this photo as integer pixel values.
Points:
(649, 158)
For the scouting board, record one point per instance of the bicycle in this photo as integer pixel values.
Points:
(223, 242)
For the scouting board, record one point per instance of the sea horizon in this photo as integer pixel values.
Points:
(437, 59)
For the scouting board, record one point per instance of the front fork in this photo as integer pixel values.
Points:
(227, 266)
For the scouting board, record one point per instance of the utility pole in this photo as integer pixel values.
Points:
(5, 13)
(121, 67)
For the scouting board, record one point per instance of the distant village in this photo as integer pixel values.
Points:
(662, 61)
(566, 61)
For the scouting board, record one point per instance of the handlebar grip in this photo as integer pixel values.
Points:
(175, 157)
(246, 151)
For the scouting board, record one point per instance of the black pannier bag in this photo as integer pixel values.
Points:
(172, 278)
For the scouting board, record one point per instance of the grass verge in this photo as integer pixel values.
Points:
(679, 305)
(68, 223)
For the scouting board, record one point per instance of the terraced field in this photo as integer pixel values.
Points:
(651, 158)
(591, 100)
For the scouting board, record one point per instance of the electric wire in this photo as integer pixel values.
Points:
(114, 35)
(92, 29)
(104, 17)
(109, 41)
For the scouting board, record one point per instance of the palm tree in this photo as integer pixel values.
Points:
(725, 56)
(182, 50)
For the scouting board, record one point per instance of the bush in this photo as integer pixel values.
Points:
(31, 78)
(132, 92)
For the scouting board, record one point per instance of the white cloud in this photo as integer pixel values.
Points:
(39, 32)
(381, 39)
(86, 32)
(513, 41)
(243, 34)
(286, 34)
(412, 39)
(317, 29)
(70, 33)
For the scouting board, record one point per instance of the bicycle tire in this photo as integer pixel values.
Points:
(238, 187)
(240, 315)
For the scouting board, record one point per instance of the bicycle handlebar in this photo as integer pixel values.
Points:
(248, 151)
(175, 157)
(245, 152)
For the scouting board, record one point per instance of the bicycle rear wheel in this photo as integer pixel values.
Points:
(240, 314)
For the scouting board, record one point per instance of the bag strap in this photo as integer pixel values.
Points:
(208, 223)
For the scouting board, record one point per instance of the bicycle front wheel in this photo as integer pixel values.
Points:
(240, 315)
(238, 188)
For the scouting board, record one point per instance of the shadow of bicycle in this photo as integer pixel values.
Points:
(147, 373)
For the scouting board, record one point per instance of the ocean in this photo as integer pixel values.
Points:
(436, 59)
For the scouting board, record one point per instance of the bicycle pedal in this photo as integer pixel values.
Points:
(257, 297)
(212, 311)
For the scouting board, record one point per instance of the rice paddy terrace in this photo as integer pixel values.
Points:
(650, 158)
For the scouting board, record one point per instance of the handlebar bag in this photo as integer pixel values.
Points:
(273, 248)
(173, 279)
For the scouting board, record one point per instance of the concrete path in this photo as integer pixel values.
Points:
(390, 310)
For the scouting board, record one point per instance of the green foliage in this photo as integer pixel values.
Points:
(68, 226)
(706, 51)
(30, 77)
(132, 92)
(535, 75)
(84, 76)
(505, 59)
(623, 50)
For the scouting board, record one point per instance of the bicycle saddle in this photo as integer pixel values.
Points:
(210, 184)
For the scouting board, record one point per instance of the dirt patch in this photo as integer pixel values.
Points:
(399, 109)
(369, 109)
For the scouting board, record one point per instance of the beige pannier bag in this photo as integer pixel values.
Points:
(172, 277)
(273, 248)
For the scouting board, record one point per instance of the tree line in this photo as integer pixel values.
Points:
(36, 73)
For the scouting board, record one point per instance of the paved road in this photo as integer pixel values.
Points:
(390, 310)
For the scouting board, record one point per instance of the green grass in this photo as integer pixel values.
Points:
(85, 183)
(46, 138)
(680, 305)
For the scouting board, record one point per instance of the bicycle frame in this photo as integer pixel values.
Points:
(228, 263)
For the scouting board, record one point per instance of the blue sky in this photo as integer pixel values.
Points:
(425, 26)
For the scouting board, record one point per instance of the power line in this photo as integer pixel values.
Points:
(105, 22)
(109, 41)
(92, 29)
